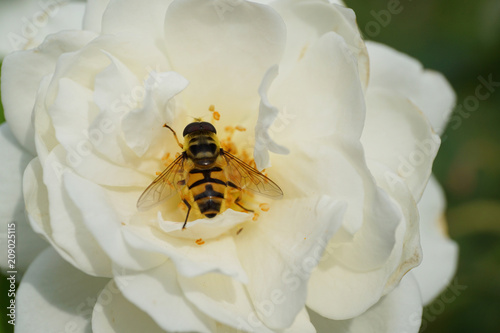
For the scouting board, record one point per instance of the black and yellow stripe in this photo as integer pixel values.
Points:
(208, 187)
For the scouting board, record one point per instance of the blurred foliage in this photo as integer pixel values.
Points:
(461, 39)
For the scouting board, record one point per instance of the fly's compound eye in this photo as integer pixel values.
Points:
(199, 126)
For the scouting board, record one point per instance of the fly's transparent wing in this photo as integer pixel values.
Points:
(246, 177)
(165, 185)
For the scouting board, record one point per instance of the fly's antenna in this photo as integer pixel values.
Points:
(175, 135)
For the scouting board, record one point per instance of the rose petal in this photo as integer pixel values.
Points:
(307, 21)
(132, 17)
(94, 10)
(191, 258)
(223, 299)
(46, 306)
(114, 313)
(339, 275)
(320, 96)
(21, 76)
(70, 114)
(370, 224)
(407, 253)
(24, 24)
(157, 292)
(226, 300)
(231, 37)
(429, 90)
(286, 243)
(201, 228)
(399, 311)
(142, 127)
(440, 253)
(267, 115)
(390, 115)
(52, 214)
(14, 161)
(104, 223)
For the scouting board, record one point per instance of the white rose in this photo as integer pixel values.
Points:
(351, 145)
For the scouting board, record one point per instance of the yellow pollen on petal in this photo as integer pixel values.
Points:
(255, 216)
(264, 207)
(216, 115)
(303, 51)
(240, 128)
(158, 173)
(211, 108)
(200, 241)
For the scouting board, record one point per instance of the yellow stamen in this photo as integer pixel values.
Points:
(240, 128)
(264, 207)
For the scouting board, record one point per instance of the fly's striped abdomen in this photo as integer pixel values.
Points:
(208, 187)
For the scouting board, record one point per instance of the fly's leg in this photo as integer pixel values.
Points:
(237, 203)
(187, 215)
(175, 135)
(238, 199)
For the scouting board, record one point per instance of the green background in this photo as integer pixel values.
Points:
(461, 39)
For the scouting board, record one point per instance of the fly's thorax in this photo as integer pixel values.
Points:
(203, 147)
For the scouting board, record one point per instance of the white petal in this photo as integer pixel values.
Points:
(55, 297)
(387, 242)
(201, 228)
(58, 219)
(398, 135)
(226, 300)
(429, 90)
(14, 161)
(399, 311)
(223, 299)
(142, 127)
(94, 10)
(407, 253)
(157, 292)
(320, 96)
(286, 243)
(239, 41)
(113, 313)
(267, 115)
(21, 75)
(370, 224)
(191, 259)
(70, 114)
(307, 21)
(115, 80)
(132, 17)
(104, 223)
(440, 252)
(24, 24)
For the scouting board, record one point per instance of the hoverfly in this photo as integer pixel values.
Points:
(202, 174)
